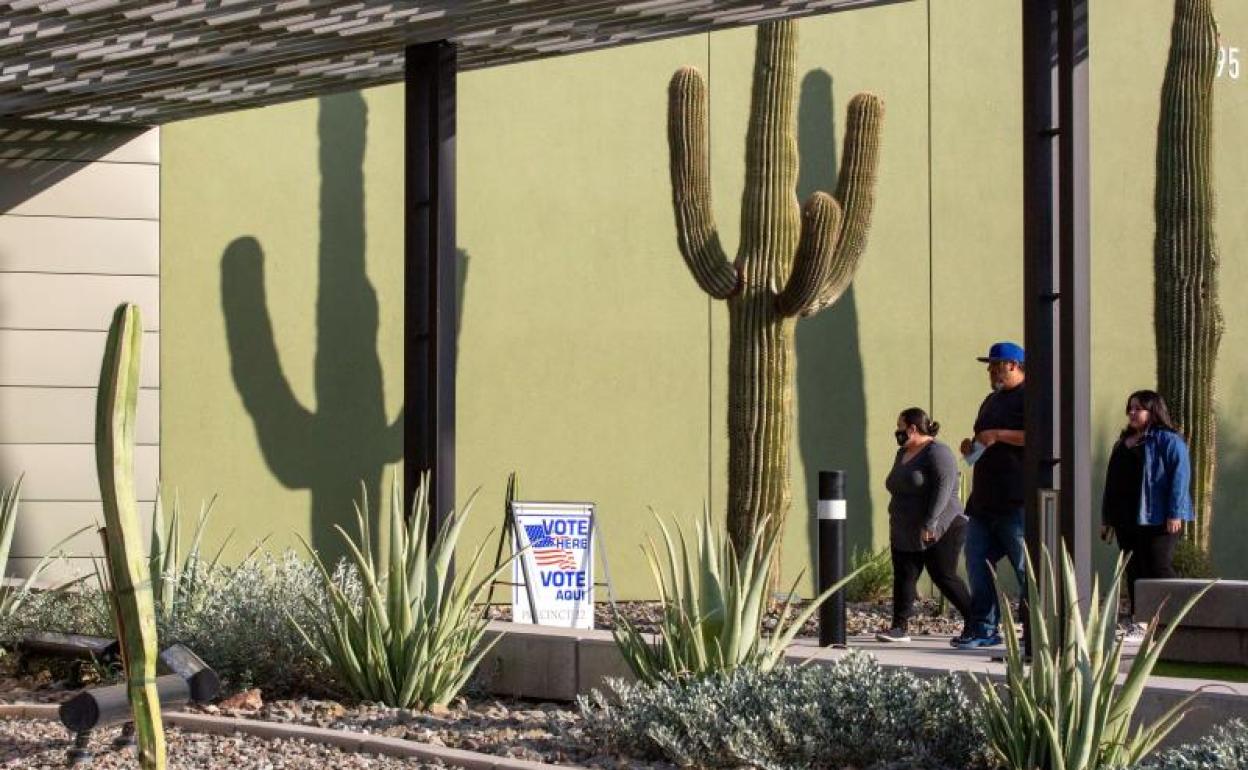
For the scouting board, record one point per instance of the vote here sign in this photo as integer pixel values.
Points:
(559, 561)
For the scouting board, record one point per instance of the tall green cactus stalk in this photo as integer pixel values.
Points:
(129, 571)
(1187, 316)
(792, 262)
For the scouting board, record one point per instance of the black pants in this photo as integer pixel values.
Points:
(1152, 554)
(941, 561)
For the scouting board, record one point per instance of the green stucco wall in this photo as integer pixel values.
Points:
(589, 362)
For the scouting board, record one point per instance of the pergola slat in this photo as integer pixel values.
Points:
(147, 63)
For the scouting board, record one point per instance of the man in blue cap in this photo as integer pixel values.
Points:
(995, 507)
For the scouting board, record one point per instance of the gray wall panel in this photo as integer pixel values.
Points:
(56, 245)
(72, 189)
(79, 234)
(75, 302)
(45, 524)
(66, 472)
(65, 416)
(64, 358)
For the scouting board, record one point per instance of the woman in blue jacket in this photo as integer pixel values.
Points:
(1147, 496)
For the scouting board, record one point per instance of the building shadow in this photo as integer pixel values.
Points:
(831, 398)
(37, 154)
(347, 441)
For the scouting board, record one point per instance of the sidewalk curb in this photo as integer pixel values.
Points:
(346, 740)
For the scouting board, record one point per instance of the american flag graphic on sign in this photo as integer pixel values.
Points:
(546, 552)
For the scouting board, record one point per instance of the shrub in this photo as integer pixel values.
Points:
(1190, 561)
(874, 579)
(1225, 749)
(853, 713)
(1063, 709)
(238, 622)
(713, 606)
(81, 611)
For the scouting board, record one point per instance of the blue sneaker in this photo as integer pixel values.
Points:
(964, 636)
(991, 640)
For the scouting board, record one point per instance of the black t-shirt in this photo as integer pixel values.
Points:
(997, 478)
(1123, 480)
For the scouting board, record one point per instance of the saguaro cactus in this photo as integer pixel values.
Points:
(1186, 314)
(790, 263)
(133, 609)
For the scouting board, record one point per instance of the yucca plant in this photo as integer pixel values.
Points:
(714, 602)
(176, 577)
(875, 578)
(12, 597)
(1065, 711)
(415, 637)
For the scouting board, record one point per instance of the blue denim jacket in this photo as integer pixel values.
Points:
(1166, 492)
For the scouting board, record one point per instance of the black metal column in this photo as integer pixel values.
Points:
(429, 275)
(1075, 506)
(1056, 278)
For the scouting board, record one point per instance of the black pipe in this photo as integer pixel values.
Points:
(831, 515)
(203, 681)
(102, 706)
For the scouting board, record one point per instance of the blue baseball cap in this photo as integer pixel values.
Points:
(1005, 351)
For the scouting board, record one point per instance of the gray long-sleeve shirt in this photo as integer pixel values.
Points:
(924, 496)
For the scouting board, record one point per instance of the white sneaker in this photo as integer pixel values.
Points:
(1133, 633)
(893, 634)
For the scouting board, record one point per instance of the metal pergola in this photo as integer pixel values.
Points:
(147, 62)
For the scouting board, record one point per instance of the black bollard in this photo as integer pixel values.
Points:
(831, 515)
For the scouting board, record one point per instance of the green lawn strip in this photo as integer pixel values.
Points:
(1225, 672)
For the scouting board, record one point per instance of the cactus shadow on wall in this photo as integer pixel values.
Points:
(347, 439)
(831, 400)
(1229, 549)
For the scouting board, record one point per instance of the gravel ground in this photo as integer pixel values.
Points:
(861, 617)
(29, 743)
(542, 732)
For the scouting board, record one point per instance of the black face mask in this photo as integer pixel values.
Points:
(901, 437)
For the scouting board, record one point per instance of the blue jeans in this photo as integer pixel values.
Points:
(989, 538)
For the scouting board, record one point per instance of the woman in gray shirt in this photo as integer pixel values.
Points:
(926, 526)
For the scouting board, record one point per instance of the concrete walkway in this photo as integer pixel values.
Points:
(558, 664)
(933, 655)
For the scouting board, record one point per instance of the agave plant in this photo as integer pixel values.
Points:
(714, 602)
(1065, 711)
(177, 579)
(415, 638)
(12, 597)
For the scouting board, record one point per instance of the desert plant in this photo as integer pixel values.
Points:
(1187, 316)
(874, 575)
(1064, 711)
(791, 262)
(713, 604)
(1226, 748)
(130, 577)
(177, 577)
(852, 713)
(416, 637)
(240, 623)
(1191, 561)
(11, 598)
